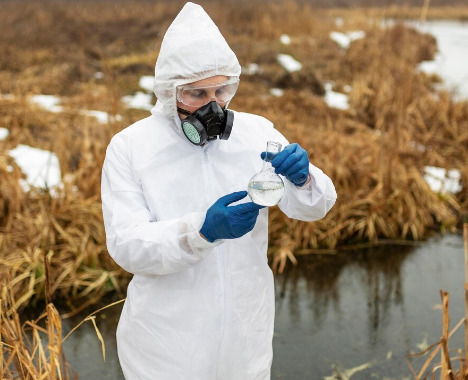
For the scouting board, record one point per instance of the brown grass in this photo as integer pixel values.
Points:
(32, 349)
(369, 151)
(24, 352)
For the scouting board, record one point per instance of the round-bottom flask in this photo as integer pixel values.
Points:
(266, 188)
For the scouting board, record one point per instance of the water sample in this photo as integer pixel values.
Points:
(266, 188)
(266, 193)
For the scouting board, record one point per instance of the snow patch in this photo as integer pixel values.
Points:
(140, 100)
(345, 39)
(417, 146)
(47, 102)
(289, 63)
(432, 67)
(442, 181)
(339, 21)
(98, 75)
(278, 92)
(41, 167)
(101, 116)
(4, 133)
(251, 69)
(146, 83)
(285, 39)
(336, 99)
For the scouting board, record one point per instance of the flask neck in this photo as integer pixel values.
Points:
(267, 166)
(273, 148)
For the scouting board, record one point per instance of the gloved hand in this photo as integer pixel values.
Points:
(229, 222)
(293, 163)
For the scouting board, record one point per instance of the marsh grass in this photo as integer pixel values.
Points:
(370, 151)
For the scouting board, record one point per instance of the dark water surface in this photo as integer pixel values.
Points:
(359, 311)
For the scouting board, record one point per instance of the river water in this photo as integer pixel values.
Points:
(451, 61)
(357, 309)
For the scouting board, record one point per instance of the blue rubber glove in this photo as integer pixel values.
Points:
(229, 222)
(293, 163)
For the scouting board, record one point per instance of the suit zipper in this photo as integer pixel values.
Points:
(220, 254)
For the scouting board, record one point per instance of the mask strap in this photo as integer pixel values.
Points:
(183, 112)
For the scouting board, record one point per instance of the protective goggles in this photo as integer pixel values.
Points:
(198, 96)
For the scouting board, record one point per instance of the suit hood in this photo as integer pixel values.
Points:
(192, 49)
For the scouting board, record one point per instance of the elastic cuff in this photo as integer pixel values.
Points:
(195, 241)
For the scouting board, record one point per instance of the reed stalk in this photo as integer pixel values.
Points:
(424, 11)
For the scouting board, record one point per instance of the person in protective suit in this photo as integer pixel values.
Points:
(201, 301)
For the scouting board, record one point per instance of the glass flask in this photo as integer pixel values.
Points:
(266, 188)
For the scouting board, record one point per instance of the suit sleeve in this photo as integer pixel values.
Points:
(310, 202)
(137, 242)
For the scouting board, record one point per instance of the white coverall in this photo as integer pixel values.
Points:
(195, 310)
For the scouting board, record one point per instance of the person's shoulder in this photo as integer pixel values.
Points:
(251, 118)
(138, 128)
(144, 129)
(133, 132)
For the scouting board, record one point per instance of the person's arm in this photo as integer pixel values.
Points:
(312, 200)
(137, 242)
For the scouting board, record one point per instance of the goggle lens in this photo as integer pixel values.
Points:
(199, 96)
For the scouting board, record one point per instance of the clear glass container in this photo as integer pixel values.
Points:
(267, 188)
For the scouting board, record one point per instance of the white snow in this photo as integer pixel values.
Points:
(140, 100)
(47, 102)
(251, 69)
(345, 39)
(98, 75)
(356, 35)
(339, 21)
(442, 181)
(41, 167)
(451, 62)
(146, 83)
(289, 63)
(432, 67)
(285, 39)
(103, 117)
(278, 92)
(335, 99)
(417, 146)
(4, 133)
(50, 103)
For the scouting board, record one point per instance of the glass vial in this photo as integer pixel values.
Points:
(266, 188)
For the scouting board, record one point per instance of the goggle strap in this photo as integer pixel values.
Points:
(183, 112)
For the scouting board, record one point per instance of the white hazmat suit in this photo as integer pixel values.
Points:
(195, 310)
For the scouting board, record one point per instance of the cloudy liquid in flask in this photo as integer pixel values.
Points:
(266, 193)
(266, 188)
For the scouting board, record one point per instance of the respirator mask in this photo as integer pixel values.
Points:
(210, 120)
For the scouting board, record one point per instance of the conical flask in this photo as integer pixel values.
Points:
(267, 188)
